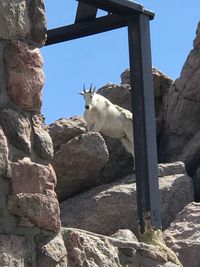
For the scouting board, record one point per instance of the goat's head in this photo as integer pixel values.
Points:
(89, 97)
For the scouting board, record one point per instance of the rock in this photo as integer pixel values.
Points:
(103, 210)
(41, 210)
(125, 77)
(89, 249)
(24, 75)
(23, 20)
(78, 163)
(17, 129)
(181, 132)
(12, 250)
(52, 253)
(161, 84)
(3, 154)
(167, 169)
(108, 208)
(32, 194)
(196, 181)
(197, 39)
(38, 22)
(176, 193)
(183, 235)
(63, 130)
(30, 177)
(85, 249)
(124, 235)
(42, 141)
(120, 162)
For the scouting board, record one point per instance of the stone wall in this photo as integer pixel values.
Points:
(29, 209)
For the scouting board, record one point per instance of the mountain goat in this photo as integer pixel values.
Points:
(112, 120)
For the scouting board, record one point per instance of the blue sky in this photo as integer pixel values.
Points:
(100, 59)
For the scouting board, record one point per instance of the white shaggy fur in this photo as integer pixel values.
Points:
(103, 116)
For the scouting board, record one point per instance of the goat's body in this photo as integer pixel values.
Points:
(110, 120)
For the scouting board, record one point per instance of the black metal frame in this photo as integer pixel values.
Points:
(123, 13)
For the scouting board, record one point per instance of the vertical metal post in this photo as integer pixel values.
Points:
(142, 92)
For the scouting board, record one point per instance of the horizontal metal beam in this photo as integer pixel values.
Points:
(83, 29)
(120, 7)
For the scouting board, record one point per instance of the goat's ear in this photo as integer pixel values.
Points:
(81, 93)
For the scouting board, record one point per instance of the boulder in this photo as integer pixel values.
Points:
(12, 250)
(42, 141)
(37, 17)
(41, 210)
(196, 181)
(24, 75)
(30, 177)
(17, 129)
(124, 235)
(183, 235)
(3, 154)
(52, 253)
(181, 131)
(63, 130)
(161, 83)
(23, 20)
(89, 249)
(120, 162)
(32, 194)
(78, 164)
(108, 208)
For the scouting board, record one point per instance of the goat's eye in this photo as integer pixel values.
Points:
(91, 96)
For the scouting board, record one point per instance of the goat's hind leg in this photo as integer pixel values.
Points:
(129, 147)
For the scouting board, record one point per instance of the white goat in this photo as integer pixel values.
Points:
(103, 116)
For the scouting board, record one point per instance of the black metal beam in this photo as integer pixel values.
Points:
(78, 30)
(120, 7)
(85, 12)
(148, 198)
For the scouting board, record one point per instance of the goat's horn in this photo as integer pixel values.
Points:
(84, 88)
(90, 88)
(94, 89)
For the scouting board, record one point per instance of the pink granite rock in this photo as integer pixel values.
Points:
(24, 75)
(53, 253)
(17, 129)
(78, 164)
(181, 131)
(30, 177)
(90, 249)
(23, 20)
(183, 235)
(42, 143)
(107, 208)
(12, 251)
(32, 194)
(41, 210)
(63, 130)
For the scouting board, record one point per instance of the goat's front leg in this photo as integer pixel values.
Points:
(90, 127)
(99, 124)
